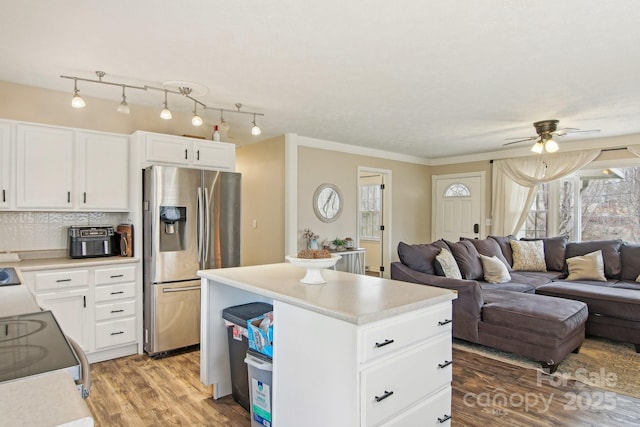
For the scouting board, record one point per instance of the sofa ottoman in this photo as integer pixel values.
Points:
(542, 328)
(614, 312)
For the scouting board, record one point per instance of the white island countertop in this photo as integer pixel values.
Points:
(353, 298)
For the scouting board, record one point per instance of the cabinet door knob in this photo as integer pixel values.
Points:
(382, 344)
(445, 364)
(444, 322)
(384, 396)
(444, 419)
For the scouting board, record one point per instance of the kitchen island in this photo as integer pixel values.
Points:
(355, 351)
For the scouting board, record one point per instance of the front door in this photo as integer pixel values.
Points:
(458, 206)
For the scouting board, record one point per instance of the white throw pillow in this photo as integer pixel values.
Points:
(638, 278)
(495, 271)
(528, 255)
(586, 267)
(449, 265)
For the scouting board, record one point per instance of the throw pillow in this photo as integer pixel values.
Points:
(554, 251)
(489, 247)
(448, 264)
(586, 267)
(638, 278)
(420, 257)
(495, 270)
(528, 256)
(466, 257)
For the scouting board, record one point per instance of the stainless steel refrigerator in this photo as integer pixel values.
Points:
(191, 221)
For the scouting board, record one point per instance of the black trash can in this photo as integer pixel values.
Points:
(238, 345)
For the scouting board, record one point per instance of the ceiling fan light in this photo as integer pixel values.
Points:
(538, 147)
(551, 146)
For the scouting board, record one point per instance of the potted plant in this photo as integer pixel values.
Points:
(339, 244)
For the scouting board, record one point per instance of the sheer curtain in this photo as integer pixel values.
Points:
(635, 149)
(515, 181)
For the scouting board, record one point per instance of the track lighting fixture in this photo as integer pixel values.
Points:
(165, 114)
(123, 107)
(196, 120)
(255, 130)
(224, 126)
(77, 101)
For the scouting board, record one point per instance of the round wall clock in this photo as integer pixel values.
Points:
(327, 202)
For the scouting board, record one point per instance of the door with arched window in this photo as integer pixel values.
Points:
(458, 206)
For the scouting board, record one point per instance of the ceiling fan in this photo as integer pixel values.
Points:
(546, 129)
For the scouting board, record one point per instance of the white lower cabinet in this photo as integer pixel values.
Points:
(96, 306)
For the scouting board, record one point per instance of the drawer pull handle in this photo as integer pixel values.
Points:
(115, 276)
(445, 419)
(117, 292)
(63, 280)
(382, 344)
(117, 333)
(117, 311)
(446, 322)
(445, 364)
(384, 396)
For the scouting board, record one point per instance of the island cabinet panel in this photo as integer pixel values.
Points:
(355, 351)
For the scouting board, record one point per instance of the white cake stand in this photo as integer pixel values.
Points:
(314, 267)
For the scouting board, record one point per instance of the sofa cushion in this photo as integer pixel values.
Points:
(420, 257)
(528, 256)
(503, 242)
(630, 259)
(468, 259)
(446, 265)
(610, 254)
(508, 286)
(489, 247)
(554, 251)
(555, 317)
(495, 271)
(619, 303)
(586, 267)
(627, 284)
(530, 278)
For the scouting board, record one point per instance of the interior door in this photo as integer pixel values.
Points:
(458, 206)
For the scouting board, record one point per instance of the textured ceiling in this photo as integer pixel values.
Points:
(426, 78)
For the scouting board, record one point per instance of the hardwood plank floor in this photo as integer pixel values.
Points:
(140, 391)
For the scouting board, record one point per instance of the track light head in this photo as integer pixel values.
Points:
(165, 114)
(255, 130)
(77, 101)
(123, 107)
(196, 120)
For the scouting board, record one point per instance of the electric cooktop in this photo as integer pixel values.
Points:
(8, 277)
(32, 344)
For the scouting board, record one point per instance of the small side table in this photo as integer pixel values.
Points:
(353, 260)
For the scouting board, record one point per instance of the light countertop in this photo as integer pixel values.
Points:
(354, 298)
(62, 262)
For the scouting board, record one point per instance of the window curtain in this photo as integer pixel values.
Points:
(635, 149)
(515, 181)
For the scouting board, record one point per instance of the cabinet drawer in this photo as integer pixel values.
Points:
(394, 384)
(113, 292)
(115, 332)
(404, 331)
(115, 310)
(61, 279)
(104, 276)
(433, 411)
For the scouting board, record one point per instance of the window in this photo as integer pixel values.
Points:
(370, 211)
(593, 204)
(457, 190)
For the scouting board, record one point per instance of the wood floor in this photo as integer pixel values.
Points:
(140, 391)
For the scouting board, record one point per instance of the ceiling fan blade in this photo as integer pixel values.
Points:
(584, 131)
(521, 140)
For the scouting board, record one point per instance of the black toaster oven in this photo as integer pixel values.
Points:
(91, 242)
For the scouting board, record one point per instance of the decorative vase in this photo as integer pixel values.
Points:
(313, 244)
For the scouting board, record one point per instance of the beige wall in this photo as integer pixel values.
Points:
(410, 188)
(262, 168)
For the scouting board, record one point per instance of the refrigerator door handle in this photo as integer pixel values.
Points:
(207, 225)
(199, 226)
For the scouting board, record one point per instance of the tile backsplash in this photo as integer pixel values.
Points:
(33, 231)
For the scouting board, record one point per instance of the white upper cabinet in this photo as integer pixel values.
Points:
(102, 171)
(44, 167)
(188, 152)
(70, 169)
(6, 189)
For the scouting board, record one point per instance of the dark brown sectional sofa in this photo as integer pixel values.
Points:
(537, 314)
